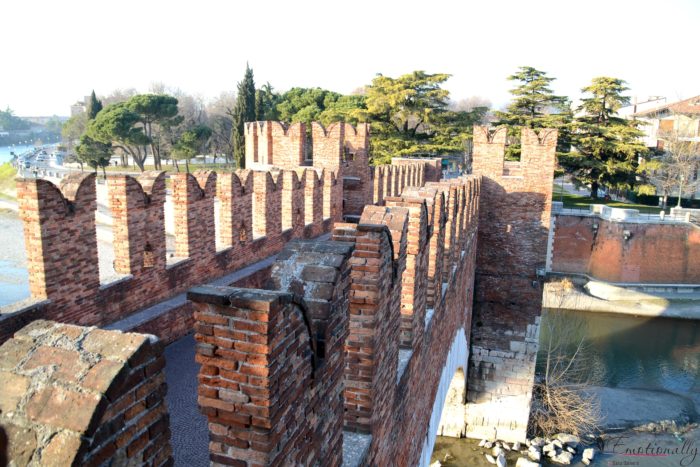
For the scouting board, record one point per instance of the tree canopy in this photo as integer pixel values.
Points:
(410, 116)
(318, 105)
(9, 122)
(607, 146)
(534, 103)
(156, 112)
(117, 124)
(94, 153)
(191, 143)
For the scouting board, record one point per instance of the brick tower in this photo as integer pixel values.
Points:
(515, 205)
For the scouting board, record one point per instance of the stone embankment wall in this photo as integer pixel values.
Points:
(259, 212)
(83, 396)
(348, 339)
(514, 219)
(643, 252)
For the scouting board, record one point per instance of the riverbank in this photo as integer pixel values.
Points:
(597, 296)
(623, 448)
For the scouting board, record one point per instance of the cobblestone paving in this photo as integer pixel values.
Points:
(190, 437)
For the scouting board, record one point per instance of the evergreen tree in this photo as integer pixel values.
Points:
(94, 153)
(608, 147)
(410, 116)
(243, 112)
(93, 106)
(534, 105)
(266, 101)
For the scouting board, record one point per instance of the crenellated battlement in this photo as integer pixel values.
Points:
(516, 202)
(341, 148)
(258, 213)
(358, 306)
(327, 351)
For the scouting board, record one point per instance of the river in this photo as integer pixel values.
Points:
(657, 358)
(6, 151)
(14, 277)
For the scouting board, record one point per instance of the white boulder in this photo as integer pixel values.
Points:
(563, 457)
(523, 462)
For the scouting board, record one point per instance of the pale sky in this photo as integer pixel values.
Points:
(54, 52)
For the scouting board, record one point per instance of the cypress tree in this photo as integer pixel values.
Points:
(243, 112)
(93, 106)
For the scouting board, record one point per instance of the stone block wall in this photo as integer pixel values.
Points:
(514, 218)
(73, 395)
(649, 253)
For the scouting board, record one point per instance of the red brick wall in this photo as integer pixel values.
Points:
(514, 218)
(82, 396)
(274, 144)
(357, 194)
(271, 375)
(654, 253)
(60, 235)
(61, 244)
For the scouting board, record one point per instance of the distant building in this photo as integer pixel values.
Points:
(681, 117)
(79, 107)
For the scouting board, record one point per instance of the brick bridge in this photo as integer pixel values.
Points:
(344, 306)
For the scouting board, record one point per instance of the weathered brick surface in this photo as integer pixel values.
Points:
(654, 253)
(274, 144)
(285, 371)
(515, 204)
(253, 206)
(414, 280)
(80, 396)
(271, 376)
(61, 243)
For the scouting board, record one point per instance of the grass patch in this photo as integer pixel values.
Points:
(7, 181)
(582, 202)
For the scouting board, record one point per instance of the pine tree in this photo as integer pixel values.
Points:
(608, 147)
(243, 112)
(534, 105)
(93, 106)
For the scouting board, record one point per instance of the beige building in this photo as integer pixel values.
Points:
(680, 117)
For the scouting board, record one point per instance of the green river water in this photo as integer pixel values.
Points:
(625, 352)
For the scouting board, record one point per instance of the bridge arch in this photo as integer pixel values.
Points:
(457, 358)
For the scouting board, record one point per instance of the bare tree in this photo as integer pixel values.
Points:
(220, 112)
(679, 164)
(470, 103)
(561, 402)
(118, 95)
